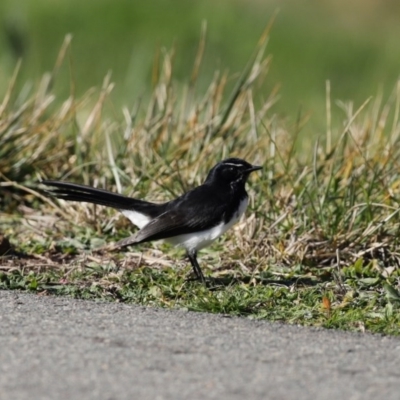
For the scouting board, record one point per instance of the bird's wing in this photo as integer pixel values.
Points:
(187, 215)
(170, 224)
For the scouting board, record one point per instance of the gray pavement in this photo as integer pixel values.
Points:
(60, 348)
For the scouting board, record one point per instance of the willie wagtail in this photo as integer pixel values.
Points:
(193, 220)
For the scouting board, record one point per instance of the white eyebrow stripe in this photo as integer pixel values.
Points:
(234, 165)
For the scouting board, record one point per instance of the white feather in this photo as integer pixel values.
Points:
(137, 218)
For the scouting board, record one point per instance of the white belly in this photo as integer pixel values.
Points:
(199, 240)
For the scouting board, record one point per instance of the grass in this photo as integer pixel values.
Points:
(320, 242)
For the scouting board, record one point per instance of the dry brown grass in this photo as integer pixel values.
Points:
(321, 201)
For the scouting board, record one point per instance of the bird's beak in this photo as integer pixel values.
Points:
(253, 168)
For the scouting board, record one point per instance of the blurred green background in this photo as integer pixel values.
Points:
(354, 44)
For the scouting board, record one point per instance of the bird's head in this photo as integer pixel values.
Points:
(231, 170)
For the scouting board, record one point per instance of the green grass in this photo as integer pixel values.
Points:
(320, 242)
(361, 301)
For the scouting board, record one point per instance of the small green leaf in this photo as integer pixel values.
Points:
(391, 292)
(358, 266)
(155, 291)
(389, 310)
(369, 281)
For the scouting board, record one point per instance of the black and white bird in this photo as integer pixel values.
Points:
(193, 220)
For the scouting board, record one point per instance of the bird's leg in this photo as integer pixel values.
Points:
(192, 254)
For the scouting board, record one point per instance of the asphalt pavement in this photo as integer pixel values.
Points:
(61, 348)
